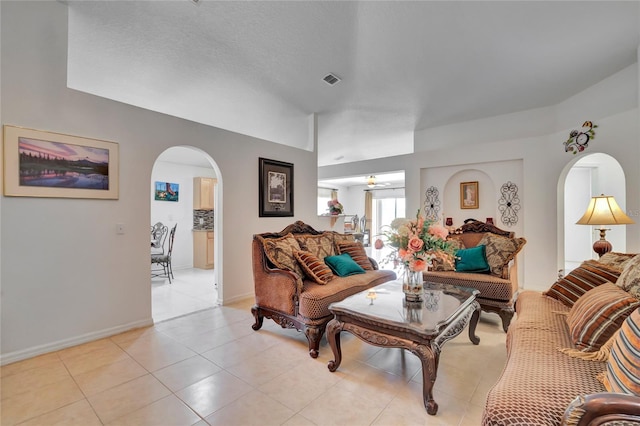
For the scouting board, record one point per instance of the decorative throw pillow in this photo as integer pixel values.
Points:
(473, 259)
(598, 314)
(629, 279)
(500, 250)
(616, 260)
(280, 252)
(313, 267)
(356, 251)
(600, 355)
(343, 265)
(438, 263)
(588, 275)
(320, 245)
(623, 366)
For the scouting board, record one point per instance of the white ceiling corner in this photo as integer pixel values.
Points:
(257, 67)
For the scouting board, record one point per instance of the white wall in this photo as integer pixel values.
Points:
(66, 276)
(534, 139)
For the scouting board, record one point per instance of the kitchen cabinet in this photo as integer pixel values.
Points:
(203, 189)
(203, 249)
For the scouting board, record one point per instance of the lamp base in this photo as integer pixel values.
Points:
(602, 246)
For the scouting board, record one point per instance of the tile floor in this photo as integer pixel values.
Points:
(191, 290)
(211, 368)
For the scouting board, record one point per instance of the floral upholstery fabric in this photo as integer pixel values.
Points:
(320, 246)
(616, 260)
(596, 316)
(629, 279)
(280, 252)
(500, 251)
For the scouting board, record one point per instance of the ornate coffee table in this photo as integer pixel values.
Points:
(420, 327)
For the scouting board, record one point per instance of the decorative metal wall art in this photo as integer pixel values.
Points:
(509, 204)
(431, 203)
(579, 139)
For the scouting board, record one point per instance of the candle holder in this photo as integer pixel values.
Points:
(372, 295)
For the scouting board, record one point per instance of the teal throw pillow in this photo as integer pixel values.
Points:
(473, 259)
(343, 265)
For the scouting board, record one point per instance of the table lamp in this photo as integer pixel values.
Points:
(603, 210)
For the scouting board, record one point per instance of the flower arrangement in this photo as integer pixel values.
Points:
(334, 207)
(418, 242)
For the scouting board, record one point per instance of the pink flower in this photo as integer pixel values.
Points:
(418, 265)
(439, 231)
(415, 244)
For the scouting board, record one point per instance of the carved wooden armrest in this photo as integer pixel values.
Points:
(374, 263)
(601, 408)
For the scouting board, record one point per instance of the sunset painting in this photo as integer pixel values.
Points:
(61, 165)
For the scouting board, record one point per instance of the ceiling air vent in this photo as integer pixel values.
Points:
(331, 79)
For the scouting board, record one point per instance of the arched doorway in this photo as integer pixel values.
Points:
(194, 286)
(590, 175)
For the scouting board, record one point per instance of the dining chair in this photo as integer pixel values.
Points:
(158, 237)
(164, 260)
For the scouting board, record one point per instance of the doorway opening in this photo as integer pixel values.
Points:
(193, 286)
(591, 175)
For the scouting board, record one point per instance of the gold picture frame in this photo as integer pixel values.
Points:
(47, 164)
(469, 197)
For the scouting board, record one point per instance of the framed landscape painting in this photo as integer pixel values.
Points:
(275, 188)
(46, 164)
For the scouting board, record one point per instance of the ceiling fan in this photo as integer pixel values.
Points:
(371, 182)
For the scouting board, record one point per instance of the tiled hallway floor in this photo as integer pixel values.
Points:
(191, 290)
(210, 367)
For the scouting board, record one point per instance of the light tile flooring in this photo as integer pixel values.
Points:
(210, 367)
(191, 290)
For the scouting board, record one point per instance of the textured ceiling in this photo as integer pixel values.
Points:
(256, 67)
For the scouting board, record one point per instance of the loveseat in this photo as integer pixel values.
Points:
(294, 286)
(564, 344)
(498, 284)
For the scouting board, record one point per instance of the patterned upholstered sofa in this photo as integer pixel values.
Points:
(292, 286)
(560, 353)
(498, 288)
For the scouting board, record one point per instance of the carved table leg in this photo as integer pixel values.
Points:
(472, 326)
(333, 337)
(429, 359)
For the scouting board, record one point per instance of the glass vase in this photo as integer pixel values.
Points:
(412, 285)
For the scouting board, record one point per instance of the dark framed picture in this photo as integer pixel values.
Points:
(275, 188)
(469, 195)
(47, 164)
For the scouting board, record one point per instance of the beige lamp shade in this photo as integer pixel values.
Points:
(604, 210)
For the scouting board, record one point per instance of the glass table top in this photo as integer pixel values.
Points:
(441, 303)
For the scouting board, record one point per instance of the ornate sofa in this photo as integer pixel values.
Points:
(498, 288)
(291, 293)
(561, 348)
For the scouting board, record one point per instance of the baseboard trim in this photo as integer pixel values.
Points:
(240, 298)
(73, 341)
